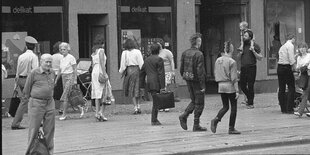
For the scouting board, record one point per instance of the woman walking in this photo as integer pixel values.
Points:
(303, 65)
(131, 63)
(99, 62)
(68, 74)
(225, 72)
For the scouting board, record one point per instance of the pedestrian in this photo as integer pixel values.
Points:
(57, 56)
(131, 63)
(249, 56)
(225, 71)
(167, 56)
(38, 90)
(303, 61)
(153, 69)
(97, 90)
(193, 72)
(68, 74)
(25, 63)
(286, 65)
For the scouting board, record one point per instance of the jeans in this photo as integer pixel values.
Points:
(247, 80)
(197, 99)
(226, 97)
(286, 77)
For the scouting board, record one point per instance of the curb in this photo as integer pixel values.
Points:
(248, 147)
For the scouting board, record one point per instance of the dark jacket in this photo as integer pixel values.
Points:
(192, 66)
(153, 68)
(247, 57)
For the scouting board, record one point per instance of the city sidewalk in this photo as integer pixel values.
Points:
(124, 133)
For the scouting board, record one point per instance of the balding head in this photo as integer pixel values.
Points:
(46, 61)
(46, 56)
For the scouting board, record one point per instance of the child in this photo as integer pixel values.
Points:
(244, 27)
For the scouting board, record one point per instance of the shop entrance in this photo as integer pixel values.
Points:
(89, 25)
(219, 22)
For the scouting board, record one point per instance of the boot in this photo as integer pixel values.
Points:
(154, 120)
(183, 120)
(214, 124)
(197, 127)
(233, 131)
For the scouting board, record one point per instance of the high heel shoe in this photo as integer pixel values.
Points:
(82, 112)
(98, 118)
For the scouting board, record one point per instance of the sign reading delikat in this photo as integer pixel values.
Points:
(139, 9)
(22, 9)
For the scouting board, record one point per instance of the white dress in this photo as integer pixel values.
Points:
(97, 88)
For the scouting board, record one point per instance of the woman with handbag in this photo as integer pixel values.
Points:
(153, 69)
(131, 63)
(303, 65)
(68, 74)
(167, 56)
(99, 77)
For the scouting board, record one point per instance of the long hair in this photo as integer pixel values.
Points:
(129, 44)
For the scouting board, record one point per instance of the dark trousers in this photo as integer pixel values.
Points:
(286, 77)
(226, 97)
(197, 100)
(247, 80)
(154, 108)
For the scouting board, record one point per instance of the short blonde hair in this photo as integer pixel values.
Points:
(65, 45)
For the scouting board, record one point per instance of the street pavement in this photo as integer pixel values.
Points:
(263, 128)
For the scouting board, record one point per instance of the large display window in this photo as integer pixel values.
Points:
(146, 21)
(40, 19)
(282, 17)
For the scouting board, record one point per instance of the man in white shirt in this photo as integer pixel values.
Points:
(25, 63)
(285, 75)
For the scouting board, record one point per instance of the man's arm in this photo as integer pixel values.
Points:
(161, 73)
(257, 53)
(28, 84)
(201, 71)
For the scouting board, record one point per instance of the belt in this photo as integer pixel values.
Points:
(46, 99)
(22, 76)
(284, 65)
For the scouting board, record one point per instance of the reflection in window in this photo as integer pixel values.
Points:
(282, 17)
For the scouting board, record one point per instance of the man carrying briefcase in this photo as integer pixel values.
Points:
(153, 68)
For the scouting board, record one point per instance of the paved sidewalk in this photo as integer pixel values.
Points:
(124, 133)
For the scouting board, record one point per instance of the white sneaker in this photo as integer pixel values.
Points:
(308, 114)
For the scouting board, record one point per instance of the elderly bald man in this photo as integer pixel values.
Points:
(39, 89)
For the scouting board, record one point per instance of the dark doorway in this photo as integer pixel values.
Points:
(219, 22)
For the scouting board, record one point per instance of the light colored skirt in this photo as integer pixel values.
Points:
(67, 82)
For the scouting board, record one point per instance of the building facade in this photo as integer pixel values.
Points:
(78, 21)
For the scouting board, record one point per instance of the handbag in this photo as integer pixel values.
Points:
(107, 96)
(102, 78)
(39, 146)
(14, 103)
(75, 96)
(173, 86)
(303, 80)
(163, 100)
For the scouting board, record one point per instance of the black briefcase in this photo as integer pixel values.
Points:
(164, 100)
(14, 104)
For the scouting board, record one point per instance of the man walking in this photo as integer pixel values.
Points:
(25, 63)
(285, 75)
(39, 90)
(192, 70)
(249, 56)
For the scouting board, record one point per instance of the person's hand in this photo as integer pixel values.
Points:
(202, 90)
(16, 79)
(162, 90)
(237, 95)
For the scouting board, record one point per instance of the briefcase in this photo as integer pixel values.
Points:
(14, 104)
(164, 100)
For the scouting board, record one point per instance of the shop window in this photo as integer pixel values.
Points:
(282, 17)
(147, 21)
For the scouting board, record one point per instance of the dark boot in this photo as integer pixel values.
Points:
(197, 127)
(214, 124)
(154, 119)
(233, 131)
(183, 118)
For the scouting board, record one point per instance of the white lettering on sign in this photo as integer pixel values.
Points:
(139, 9)
(22, 10)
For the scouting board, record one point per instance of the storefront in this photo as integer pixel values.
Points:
(20, 19)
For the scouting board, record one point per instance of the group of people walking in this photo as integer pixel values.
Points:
(37, 80)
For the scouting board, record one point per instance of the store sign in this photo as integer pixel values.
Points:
(139, 9)
(22, 9)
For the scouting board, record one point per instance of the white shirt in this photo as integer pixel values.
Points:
(286, 54)
(131, 58)
(56, 62)
(26, 62)
(66, 64)
(303, 60)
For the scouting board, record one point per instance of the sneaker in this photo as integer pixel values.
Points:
(297, 114)
(250, 106)
(166, 110)
(308, 114)
(62, 118)
(234, 132)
